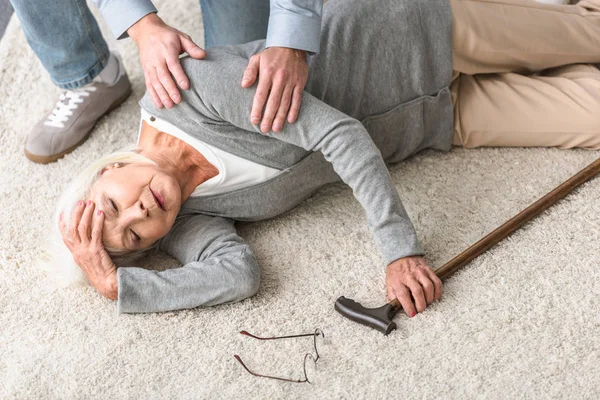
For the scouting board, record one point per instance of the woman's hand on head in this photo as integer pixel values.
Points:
(413, 283)
(83, 237)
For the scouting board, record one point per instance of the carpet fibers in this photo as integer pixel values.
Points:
(522, 321)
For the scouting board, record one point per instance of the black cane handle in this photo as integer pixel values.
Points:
(377, 318)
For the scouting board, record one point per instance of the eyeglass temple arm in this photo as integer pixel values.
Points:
(268, 376)
(281, 337)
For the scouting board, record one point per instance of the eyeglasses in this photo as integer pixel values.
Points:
(308, 356)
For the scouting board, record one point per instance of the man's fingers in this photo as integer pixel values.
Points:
(260, 97)
(176, 69)
(86, 222)
(191, 48)
(153, 95)
(97, 227)
(286, 100)
(166, 80)
(251, 72)
(272, 106)
(427, 286)
(295, 107)
(403, 296)
(74, 222)
(418, 295)
(160, 90)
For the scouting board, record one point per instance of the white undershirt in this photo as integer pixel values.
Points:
(234, 172)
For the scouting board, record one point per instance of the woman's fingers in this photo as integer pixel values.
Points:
(85, 224)
(403, 296)
(97, 227)
(283, 109)
(89, 253)
(415, 283)
(437, 284)
(428, 288)
(418, 295)
(74, 222)
(63, 231)
(391, 294)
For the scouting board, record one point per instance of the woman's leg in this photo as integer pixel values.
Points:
(560, 107)
(523, 35)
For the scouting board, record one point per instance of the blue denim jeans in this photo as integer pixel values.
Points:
(234, 21)
(66, 38)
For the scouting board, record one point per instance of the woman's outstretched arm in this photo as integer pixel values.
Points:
(215, 99)
(218, 267)
(343, 141)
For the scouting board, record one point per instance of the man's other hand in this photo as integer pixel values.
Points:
(413, 283)
(282, 75)
(160, 47)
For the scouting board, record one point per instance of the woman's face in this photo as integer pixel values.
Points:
(140, 203)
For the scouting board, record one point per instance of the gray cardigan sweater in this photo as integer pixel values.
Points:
(377, 93)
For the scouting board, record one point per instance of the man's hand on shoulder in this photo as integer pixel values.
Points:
(160, 47)
(413, 283)
(282, 74)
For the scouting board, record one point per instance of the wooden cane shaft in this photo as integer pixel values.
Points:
(518, 220)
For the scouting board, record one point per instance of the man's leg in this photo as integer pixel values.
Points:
(560, 107)
(523, 35)
(234, 21)
(66, 38)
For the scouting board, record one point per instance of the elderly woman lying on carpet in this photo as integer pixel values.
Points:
(391, 78)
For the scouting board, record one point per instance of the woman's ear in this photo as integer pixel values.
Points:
(111, 166)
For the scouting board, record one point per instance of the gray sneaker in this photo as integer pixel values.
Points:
(72, 120)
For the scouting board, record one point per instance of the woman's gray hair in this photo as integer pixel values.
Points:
(56, 257)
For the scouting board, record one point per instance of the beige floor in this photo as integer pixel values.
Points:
(521, 322)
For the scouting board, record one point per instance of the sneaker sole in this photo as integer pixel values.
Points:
(49, 159)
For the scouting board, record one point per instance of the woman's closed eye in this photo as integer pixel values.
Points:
(110, 203)
(136, 239)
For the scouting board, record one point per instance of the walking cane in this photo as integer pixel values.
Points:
(381, 318)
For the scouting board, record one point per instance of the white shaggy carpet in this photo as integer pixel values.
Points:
(522, 321)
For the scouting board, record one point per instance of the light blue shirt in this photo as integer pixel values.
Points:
(294, 24)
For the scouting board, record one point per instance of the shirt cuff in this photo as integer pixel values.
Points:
(128, 300)
(122, 14)
(398, 240)
(294, 31)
